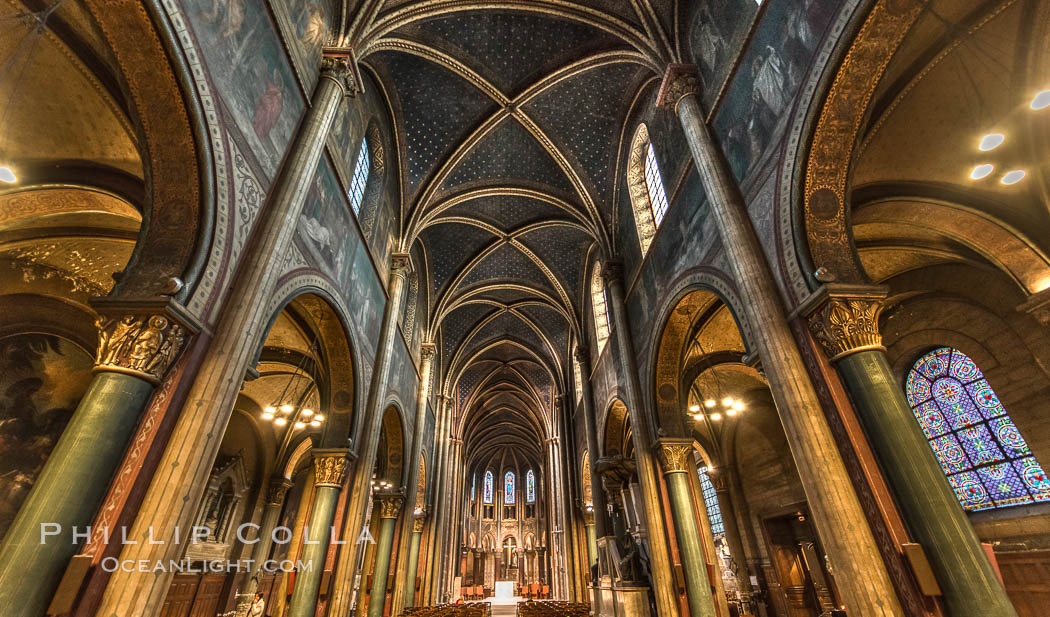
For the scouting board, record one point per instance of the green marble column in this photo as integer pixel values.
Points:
(413, 561)
(674, 455)
(134, 353)
(329, 472)
(592, 541)
(275, 494)
(846, 323)
(389, 507)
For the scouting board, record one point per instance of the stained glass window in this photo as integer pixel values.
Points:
(473, 485)
(360, 178)
(508, 488)
(530, 487)
(980, 449)
(714, 513)
(486, 488)
(601, 309)
(655, 184)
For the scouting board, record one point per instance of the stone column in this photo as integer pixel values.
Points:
(454, 518)
(134, 354)
(413, 561)
(389, 508)
(182, 473)
(361, 480)
(845, 321)
(642, 435)
(329, 472)
(861, 579)
(275, 494)
(592, 541)
(438, 525)
(732, 533)
(674, 457)
(560, 574)
(415, 451)
(590, 425)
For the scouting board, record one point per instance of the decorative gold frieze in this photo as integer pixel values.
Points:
(674, 454)
(330, 467)
(389, 505)
(680, 80)
(845, 318)
(140, 345)
(276, 491)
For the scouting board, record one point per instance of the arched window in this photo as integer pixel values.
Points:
(654, 183)
(980, 449)
(714, 513)
(508, 488)
(486, 488)
(646, 187)
(599, 306)
(360, 178)
(530, 487)
(473, 485)
(578, 380)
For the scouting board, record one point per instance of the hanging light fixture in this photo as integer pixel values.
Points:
(281, 412)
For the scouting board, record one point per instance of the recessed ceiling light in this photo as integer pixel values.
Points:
(991, 141)
(1041, 100)
(982, 171)
(7, 175)
(1013, 177)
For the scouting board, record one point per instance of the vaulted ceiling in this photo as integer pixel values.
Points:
(509, 123)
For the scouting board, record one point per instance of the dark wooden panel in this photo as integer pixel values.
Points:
(1026, 576)
(180, 596)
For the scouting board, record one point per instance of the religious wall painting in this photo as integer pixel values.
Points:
(366, 300)
(250, 72)
(346, 137)
(306, 26)
(768, 77)
(42, 379)
(381, 238)
(326, 229)
(716, 31)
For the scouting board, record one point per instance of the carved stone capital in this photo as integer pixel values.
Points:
(400, 264)
(339, 64)
(426, 351)
(845, 318)
(276, 491)
(680, 80)
(330, 467)
(389, 505)
(674, 454)
(582, 354)
(417, 523)
(1038, 305)
(588, 518)
(612, 272)
(143, 345)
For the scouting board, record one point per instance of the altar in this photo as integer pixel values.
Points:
(504, 590)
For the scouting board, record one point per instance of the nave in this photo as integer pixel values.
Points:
(543, 308)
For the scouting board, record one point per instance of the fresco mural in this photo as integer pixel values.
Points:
(716, 31)
(767, 79)
(326, 229)
(306, 26)
(366, 302)
(42, 379)
(250, 72)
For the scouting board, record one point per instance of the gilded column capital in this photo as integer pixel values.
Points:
(680, 80)
(582, 353)
(330, 467)
(276, 491)
(400, 264)
(427, 351)
(612, 272)
(674, 454)
(417, 523)
(588, 518)
(389, 505)
(340, 65)
(845, 318)
(141, 344)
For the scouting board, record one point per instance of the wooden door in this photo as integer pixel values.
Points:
(180, 596)
(208, 592)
